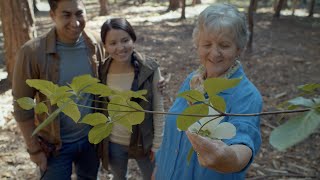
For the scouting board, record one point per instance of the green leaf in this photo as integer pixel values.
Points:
(192, 96)
(26, 103)
(60, 94)
(309, 88)
(79, 83)
(301, 101)
(134, 94)
(41, 108)
(218, 103)
(183, 122)
(45, 87)
(215, 85)
(98, 89)
(99, 132)
(70, 109)
(135, 117)
(189, 155)
(117, 111)
(295, 130)
(94, 119)
(292, 107)
(47, 121)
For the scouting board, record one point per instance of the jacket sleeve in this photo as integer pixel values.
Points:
(24, 69)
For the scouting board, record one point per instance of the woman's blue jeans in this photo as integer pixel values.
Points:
(82, 153)
(118, 162)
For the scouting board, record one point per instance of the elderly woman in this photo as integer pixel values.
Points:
(220, 37)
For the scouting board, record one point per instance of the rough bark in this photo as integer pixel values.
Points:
(183, 12)
(251, 10)
(173, 5)
(278, 8)
(311, 8)
(18, 26)
(194, 2)
(103, 7)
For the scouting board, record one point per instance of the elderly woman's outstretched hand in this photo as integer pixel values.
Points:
(216, 155)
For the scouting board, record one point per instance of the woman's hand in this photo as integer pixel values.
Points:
(151, 156)
(216, 155)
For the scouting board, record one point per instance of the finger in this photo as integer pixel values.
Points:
(194, 140)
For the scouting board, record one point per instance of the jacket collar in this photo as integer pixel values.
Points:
(146, 68)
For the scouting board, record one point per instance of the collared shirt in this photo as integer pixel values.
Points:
(38, 59)
(171, 159)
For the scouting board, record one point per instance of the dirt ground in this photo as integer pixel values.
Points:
(285, 54)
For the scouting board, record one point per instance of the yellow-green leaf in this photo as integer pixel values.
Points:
(70, 109)
(79, 83)
(135, 94)
(98, 89)
(60, 94)
(26, 103)
(190, 152)
(192, 96)
(216, 85)
(99, 132)
(94, 119)
(309, 88)
(218, 103)
(118, 111)
(41, 108)
(45, 87)
(183, 122)
(135, 117)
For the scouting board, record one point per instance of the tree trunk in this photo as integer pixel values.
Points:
(103, 7)
(183, 11)
(251, 10)
(18, 26)
(278, 8)
(311, 8)
(194, 2)
(173, 5)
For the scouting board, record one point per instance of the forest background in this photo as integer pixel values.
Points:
(285, 53)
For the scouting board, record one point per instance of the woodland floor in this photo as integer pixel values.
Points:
(285, 54)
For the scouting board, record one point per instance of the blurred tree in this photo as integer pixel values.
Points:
(311, 8)
(194, 2)
(18, 26)
(103, 7)
(278, 8)
(173, 5)
(252, 8)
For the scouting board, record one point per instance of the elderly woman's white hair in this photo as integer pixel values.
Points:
(221, 17)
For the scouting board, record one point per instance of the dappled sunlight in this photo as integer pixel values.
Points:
(148, 15)
(288, 12)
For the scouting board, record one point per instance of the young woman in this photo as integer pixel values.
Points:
(126, 69)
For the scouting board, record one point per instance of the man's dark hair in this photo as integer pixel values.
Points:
(119, 24)
(54, 4)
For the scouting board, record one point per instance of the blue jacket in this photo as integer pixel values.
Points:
(171, 158)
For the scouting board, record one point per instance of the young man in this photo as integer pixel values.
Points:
(58, 56)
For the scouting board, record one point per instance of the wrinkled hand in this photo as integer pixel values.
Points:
(40, 160)
(211, 153)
